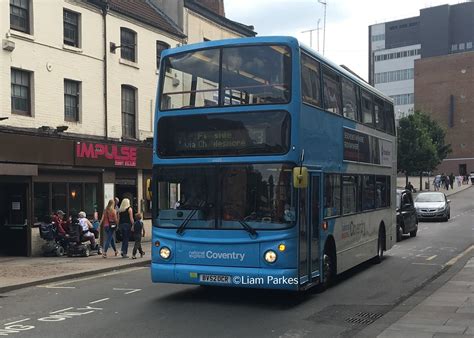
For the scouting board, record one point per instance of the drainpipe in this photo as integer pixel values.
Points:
(105, 9)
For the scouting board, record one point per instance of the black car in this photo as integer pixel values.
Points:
(407, 220)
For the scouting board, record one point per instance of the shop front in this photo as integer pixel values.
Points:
(41, 174)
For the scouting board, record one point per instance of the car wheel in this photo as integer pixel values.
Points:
(59, 251)
(413, 233)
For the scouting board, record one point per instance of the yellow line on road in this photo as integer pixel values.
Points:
(432, 257)
(455, 259)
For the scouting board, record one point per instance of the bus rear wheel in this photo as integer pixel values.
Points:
(329, 268)
(380, 246)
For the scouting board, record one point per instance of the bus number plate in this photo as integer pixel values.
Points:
(215, 279)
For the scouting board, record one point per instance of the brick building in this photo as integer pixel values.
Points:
(77, 95)
(444, 87)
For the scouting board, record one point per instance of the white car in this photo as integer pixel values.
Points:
(432, 205)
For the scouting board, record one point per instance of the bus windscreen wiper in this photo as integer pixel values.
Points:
(186, 221)
(249, 229)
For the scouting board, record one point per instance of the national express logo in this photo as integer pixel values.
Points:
(217, 255)
(121, 155)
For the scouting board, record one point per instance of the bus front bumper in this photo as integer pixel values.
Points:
(283, 279)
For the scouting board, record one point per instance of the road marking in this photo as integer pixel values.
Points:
(56, 287)
(129, 290)
(68, 308)
(101, 275)
(432, 257)
(18, 321)
(426, 264)
(98, 301)
(455, 259)
(427, 248)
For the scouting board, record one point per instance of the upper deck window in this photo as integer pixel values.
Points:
(332, 91)
(310, 81)
(246, 75)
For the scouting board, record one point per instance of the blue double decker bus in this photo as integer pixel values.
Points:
(272, 167)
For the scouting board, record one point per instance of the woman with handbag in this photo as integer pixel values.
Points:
(109, 222)
(125, 222)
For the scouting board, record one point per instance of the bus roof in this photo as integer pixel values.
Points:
(288, 40)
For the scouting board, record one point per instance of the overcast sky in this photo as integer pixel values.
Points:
(347, 22)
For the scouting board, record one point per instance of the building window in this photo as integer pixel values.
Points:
(41, 201)
(20, 15)
(71, 28)
(21, 92)
(462, 46)
(128, 111)
(71, 100)
(160, 47)
(454, 47)
(469, 45)
(128, 44)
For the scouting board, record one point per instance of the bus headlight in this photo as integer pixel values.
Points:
(165, 252)
(270, 256)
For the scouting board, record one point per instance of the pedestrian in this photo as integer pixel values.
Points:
(125, 224)
(410, 187)
(87, 229)
(109, 222)
(451, 180)
(138, 232)
(437, 182)
(446, 182)
(459, 180)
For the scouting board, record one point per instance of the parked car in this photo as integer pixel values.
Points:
(432, 205)
(407, 221)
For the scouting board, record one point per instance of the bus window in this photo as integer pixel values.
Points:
(381, 192)
(332, 91)
(367, 116)
(349, 194)
(379, 114)
(332, 195)
(368, 192)
(310, 81)
(389, 118)
(349, 99)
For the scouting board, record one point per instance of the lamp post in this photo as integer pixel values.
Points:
(324, 24)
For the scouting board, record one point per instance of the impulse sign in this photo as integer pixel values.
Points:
(121, 155)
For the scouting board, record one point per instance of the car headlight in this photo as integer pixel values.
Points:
(442, 208)
(270, 256)
(165, 252)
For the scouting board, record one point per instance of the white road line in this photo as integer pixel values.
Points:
(455, 259)
(426, 264)
(427, 248)
(55, 287)
(68, 308)
(98, 301)
(18, 321)
(129, 290)
(101, 276)
(432, 257)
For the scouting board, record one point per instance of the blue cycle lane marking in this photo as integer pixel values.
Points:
(28, 324)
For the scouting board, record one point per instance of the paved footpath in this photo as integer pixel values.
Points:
(19, 272)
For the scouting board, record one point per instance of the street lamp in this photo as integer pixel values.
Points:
(324, 24)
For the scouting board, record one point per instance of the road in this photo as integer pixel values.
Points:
(126, 303)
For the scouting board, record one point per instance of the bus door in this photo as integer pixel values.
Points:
(309, 220)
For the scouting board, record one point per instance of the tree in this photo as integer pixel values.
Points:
(421, 145)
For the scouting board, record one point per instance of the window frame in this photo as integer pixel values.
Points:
(77, 97)
(356, 97)
(75, 27)
(28, 87)
(128, 51)
(132, 129)
(27, 28)
(318, 102)
(158, 53)
(370, 96)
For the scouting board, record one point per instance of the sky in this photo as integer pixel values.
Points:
(347, 22)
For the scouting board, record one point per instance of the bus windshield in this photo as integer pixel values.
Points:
(223, 196)
(244, 75)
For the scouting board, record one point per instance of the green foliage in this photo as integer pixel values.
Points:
(421, 144)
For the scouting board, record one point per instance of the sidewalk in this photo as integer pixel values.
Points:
(446, 312)
(19, 272)
(415, 181)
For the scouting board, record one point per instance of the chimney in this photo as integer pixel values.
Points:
(217, 6)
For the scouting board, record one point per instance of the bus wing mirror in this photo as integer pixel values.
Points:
(300, 177)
